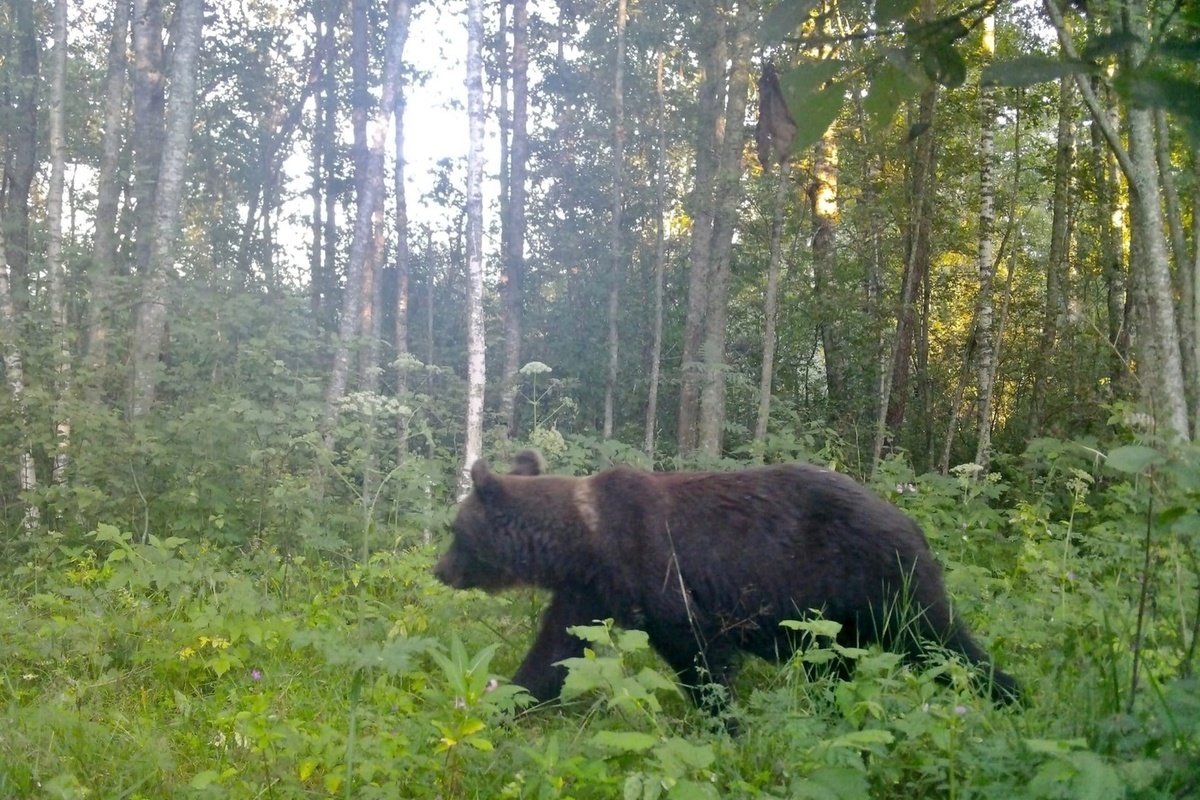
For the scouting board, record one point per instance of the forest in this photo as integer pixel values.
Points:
(273, 276)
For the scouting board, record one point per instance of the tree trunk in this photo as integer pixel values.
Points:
(21, 164)
(1163, 367)
(104, 252)
(148, 121)
(476, 341)
(616, 257)
(1056, 261)
(403, 263)
(1179, 257)
(893, 390)
(771, 306)
(709, 133)
(514, 244)
(15, 377)
(660, 258)
(151, 315)
(824, 202)
(363, 244)
(728, 192)
(985, 262)
(54, 243)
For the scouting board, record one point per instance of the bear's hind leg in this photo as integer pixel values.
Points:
(540, 674)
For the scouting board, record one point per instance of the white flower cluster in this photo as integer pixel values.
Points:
(373, 404)
(535, 368)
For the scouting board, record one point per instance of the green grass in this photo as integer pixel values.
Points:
(173, 670)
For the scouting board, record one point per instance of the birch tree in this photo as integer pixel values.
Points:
(54, 242)
(14, 373)
(985, 260)
(476, 343)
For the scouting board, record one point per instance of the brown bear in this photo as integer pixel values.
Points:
(708, 564)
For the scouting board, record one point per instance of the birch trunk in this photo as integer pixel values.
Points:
(14, 374)
(476, 342)
(54, 243)
(104, 253)
(986, 260)
(151, 315)
(771, 307)
(728, 192)
(660, 209)
(616, 258)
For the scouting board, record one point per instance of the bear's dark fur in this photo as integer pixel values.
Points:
(707, 563)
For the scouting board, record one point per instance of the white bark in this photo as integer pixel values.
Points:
(985, 262)
(54, 250)
(15, 377)
(476, 344)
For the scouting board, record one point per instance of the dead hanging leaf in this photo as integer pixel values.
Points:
(775, 128)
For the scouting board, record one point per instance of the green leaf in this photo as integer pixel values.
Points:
(814, 114)
(685, 755)
(864, 739)
(1105, 45)
(890, 87)
(783, 20)
(1158, 89)
(1133, 458)
(1030, 70)
(625, 741)
(1185, 50)
(832, 783)
(889, 11)
(808, 78)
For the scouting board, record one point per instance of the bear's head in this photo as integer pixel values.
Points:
(490, 548)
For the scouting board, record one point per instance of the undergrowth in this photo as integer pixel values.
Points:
(141, 666)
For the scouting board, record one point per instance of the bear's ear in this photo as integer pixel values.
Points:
(527, 462)
(483, 479)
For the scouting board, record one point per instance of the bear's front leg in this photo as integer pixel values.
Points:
(540, 673)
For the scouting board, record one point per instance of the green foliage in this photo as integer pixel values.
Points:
(165, 666)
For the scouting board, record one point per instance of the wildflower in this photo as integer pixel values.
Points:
(186, 653)
(961, 710)
(492, 686)
(255, 675)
